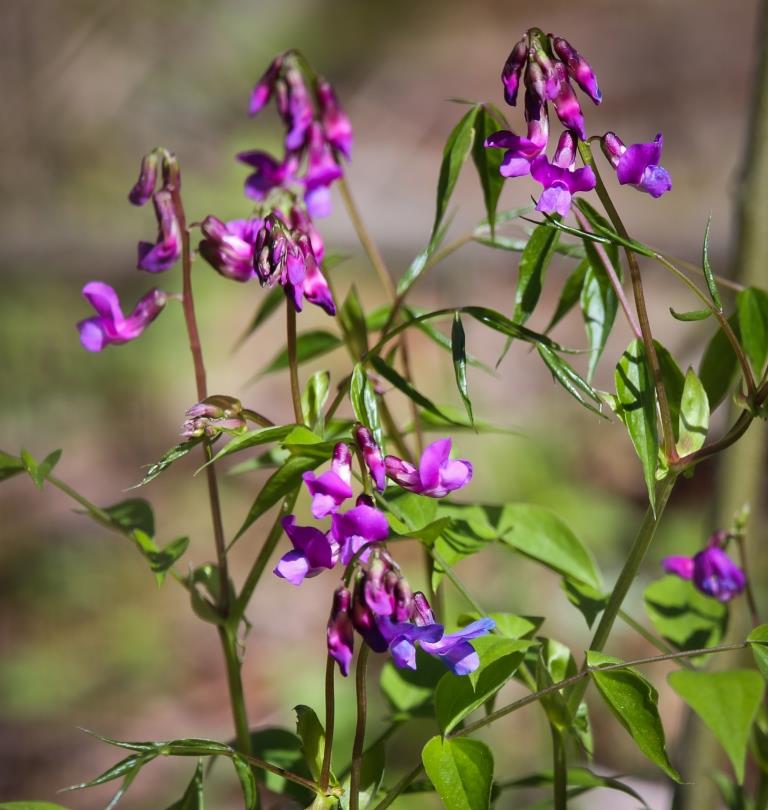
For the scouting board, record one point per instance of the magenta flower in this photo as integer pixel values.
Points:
(322, 171)
(332, 488)
(437, 474)
(566, 104)
(336, 123)
(358, 527)
(520, 151)
(295, 107)
(713, 572)
(268, 173)
(315, 287)
(213, 415)
(145, 185)
(371, 456)
(163, 254)
(228, 246)
(300, 221)
(561, 179)
(638, 165)
(110, 325)
(510, 74)
(340, 633)
(578, 67)
(262, 92)
(312, 552)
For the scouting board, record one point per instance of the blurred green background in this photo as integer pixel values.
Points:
(86, 638)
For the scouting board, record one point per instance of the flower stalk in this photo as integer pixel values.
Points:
(358, 745)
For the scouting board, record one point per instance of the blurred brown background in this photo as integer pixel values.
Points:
(86, 638)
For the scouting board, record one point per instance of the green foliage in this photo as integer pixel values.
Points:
(570, 295)
(534, 262)
(727, 703)
(371, 775)
(719, 365)
(571, 380)
(168, 458)
(38, 471)
(312, 735)
(488, 161)
(598, 302)
(283, 748)
(461, 771)
(9, 465)
(269, 303)
(313, 399)
(254, 438)
(309, 346)
(392, 376)
(459, 352)
(364, 405)
(758, 642)
(694, 415)
(193, 795)
(707, 268)
(752, 310)
(588, 600)
(353, 323)
(577, 778)
(410, 691)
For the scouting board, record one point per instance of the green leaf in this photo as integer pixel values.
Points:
(752, 309)
(457, 696)
(393, 377)
(442, 340)
(727, 702)
(570, 294)
(459, 351)
(758, 641)
(509, 625)
(488, 161)
(599, 304)
(693, 315)
(309, 345)
(555, 663)
(280, 483)
(634, 703)
(408, 690)
(604, 231)
(313, 399)
(685, 617)
(126, 768)
(534, 262)
(577, 777)
(9, 465)
(31, 806)
(590, 601)
(455, 153)
(247, 782)
(253, 438)
(694, 415)
(193, 796)
(39, 471)
(269, 304)
(312, 735)
(168, 458)
(707, 268)
(353, 324)
(637, 408)
(364, 405)
(500, 323)
(461, 771)
(161, 560)
(541, 535)
(674, 382)
(133, 513)
(564, 374)
(283, 748)
(719, 365)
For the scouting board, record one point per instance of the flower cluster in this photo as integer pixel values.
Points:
(547, 65)
(380, 606)
(316, 131)
(212, 416)
(712, 571)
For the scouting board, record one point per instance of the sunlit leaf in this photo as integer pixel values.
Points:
(752, 309)
(312, 735)
(564, 374)
(461, 771)
(599, 303)
(692, 315)
(707, 268)
(488, 161)
(534, 262)
(168, 458)
(719, 365)
(353, 324)
(363, 399)
(694, 415)
(193, 796)
(314, 397)
(570, 294)
(459, 352)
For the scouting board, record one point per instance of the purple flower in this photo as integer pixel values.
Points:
(313, 551)
(358, 527)
(340, 633)
(322, 170)
(157, 257)
(300, 221)
(561, 179)
(295, 107)
(228, 246)
(437, 474)
(110, 325)
(145, 185)
(268, 172)
(638, 165)
(213, 415)
(315, 288)
(332, 488)
(566, 104)
(336, 123)
(510, 75)
(713, 572)
(371, 456)
(262, 92)
(520, 151)
(577, 66)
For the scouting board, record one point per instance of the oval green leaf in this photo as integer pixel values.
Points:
(461, 771)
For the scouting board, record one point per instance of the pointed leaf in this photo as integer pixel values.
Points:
(758, 641)
(564, 374)
(247, 782)
(253, 438)
(599, 304)
(500, 323)
(719, 365)
(534, 262)
(589, 601)
(693, 315)
(165, 461)
(727, 702)
(752, 308)
(674, 382)
(193, 796)
(283, 748)
(312, 735)
(459, 351)
(488, 161)
(570, 294)
(363, 399)
(313, 399)
(309, 345)
(408, 690)
(133, 513)
(269, 304)
(694, 415)
(461, 771)
(393, 377)
(707, 268)
(9, 465)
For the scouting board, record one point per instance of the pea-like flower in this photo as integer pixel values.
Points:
(341, 632)
(561, 179)
(520, 151)
(228, 246)
(357, 528)
(109, 325)
(436, 475)
(712, 571)
(371, 456)
(336, 123)
(332, 488)
(638, 165)
(577, 66)
(313, 551)
(213, 415)
(322, 171)
(268, 173)
(165, 252)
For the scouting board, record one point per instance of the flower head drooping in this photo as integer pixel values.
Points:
(213, 415)
(357, 528)
(228, 246)
(165, 252)
(561, 179)
(510, 74)
(638, 165)
(336, 123)
(566, 104)
(332, 488)
(144, 187)
(520, 151)
(312, 552)
(437, 474)
(577, 66)
(713, 572)
(371, 456)
(109, 325)
(340, 633)
(262, 92)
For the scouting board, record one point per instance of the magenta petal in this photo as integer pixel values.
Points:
(678, 565)
(402, 473)
(512, 165)
(293, 566)
(455, 475)
(433, 458)
(555, 200)
(633, 163)
(104, 300)
(92, 335)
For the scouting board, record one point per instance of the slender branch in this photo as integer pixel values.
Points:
(748, 590)
(235, 684)
(276, 769)
(293, 363)
(259, 419)
(359, 742)
(642, 312)
(330, 718)
(399, 787)
(559, 770)
(658, 643)
(694, 268)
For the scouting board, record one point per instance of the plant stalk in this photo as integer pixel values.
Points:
(293, 361)
(359, 742)
(559, 770)
(330, 718)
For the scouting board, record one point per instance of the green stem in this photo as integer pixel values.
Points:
(658, 643)
(359, 742)
(642, 312)
(559, 770)
(330, 718)
(236, 696)
(293, 363)
(628, 573)
(748, 590)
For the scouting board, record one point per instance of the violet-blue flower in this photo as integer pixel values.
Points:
(268, 173)
(638, 165)
(336, 123)
(436, 475)
(520, 151)
(340, 632)
(561, 179)
(165, 252)
(371, 456)
(262, 92)
(330, 489)
(110, 325)
(357, 528)
(228, 246)
(312, 552)
(322, 171)
(713, 572)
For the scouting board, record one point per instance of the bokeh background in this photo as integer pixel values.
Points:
(86, 638)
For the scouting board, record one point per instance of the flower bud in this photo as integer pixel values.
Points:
(341, 462)
(154, 258)
(613, 148)
(340, 632)
(578, 67)
(364, 620)
(567, 105)
(336, 123)
(375, 592)
(264, 88)
(510, 74)
(213, 415)
(422, 612)
(371, 456)
(145, 185)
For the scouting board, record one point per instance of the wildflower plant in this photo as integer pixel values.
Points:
(372, 483)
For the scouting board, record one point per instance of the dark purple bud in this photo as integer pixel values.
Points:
(336, 123)
(213, 415)
(154, 258)
(264, 88)
(340, 633)
(613, 148)
(110, 325)
(297, 112)
(578, 67)
(300, 221)
(437, 474)
(377, 595)
(364, 620)
(145, 185)
(371, 456)
(567, 105)
(510, 75)
(422, 612)
(228, 247)
(403, 600)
